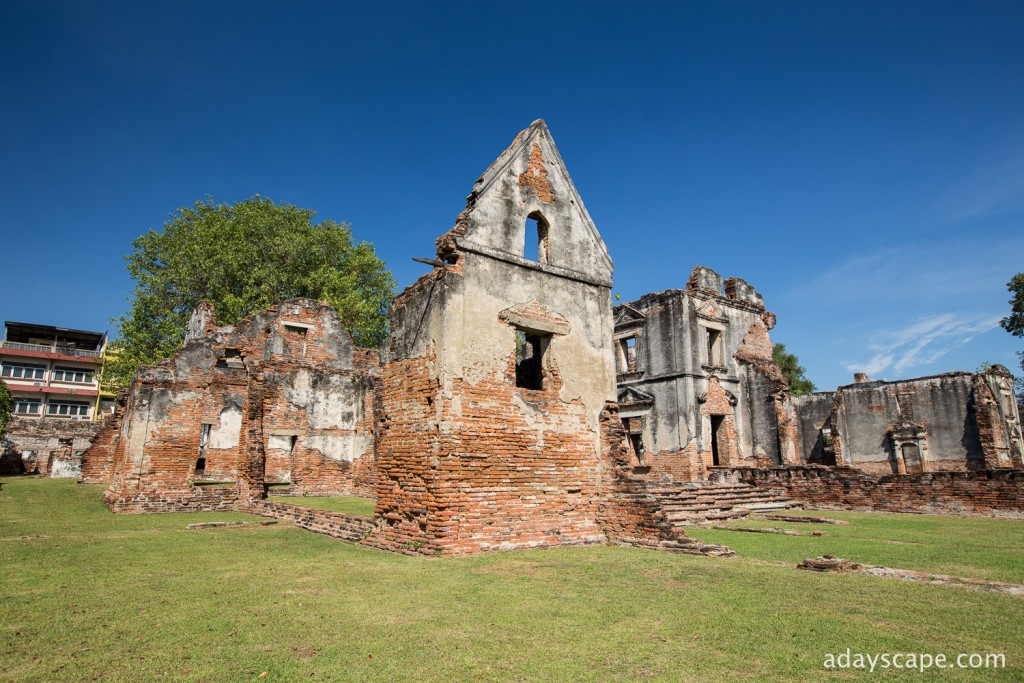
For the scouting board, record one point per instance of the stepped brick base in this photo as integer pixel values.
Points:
(688, 504)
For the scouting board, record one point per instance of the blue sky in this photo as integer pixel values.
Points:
(860, 163)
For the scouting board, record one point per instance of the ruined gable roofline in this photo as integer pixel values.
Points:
(941, 375)
(667, 295)
(223, 335)
(497, 168)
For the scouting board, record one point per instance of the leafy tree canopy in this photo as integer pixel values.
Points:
(243, 258)
(6, 405)
(792, 370)
(1014, 323)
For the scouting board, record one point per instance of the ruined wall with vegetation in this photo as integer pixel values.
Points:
(189, 422)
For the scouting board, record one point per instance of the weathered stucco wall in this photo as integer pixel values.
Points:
(50, 447)
(953, 422)
(468, 460)
(695, 365)
(188, 421)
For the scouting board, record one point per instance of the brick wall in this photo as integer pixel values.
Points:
(985, 493)
(312, 412)
(46, 446)
(98, 459)
(485, 478)
(328, 522)
(197, 499)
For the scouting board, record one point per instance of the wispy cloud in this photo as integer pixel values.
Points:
(920, 342)
(994, 188)
(936, 271)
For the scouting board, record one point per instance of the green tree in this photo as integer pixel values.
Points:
(792, 370)
(243, 258)
(1014, 323)
(6, 405)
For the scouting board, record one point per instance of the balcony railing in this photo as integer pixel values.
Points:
(51, 348)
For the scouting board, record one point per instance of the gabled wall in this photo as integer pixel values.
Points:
(468, 460)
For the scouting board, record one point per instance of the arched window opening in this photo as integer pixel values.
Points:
(536, 225)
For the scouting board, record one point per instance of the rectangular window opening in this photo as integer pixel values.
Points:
(67, 409)
(530, 360)
(26, 406)
(634, 427)
(204, 441)
(714, 347)
(22, 371)
(716, 427)
(627, 355)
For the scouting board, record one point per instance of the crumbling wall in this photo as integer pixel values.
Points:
(98, 459)
(478, 451)
(953, 422)
(189, 422)
(50, 447)
(986, 493)
(703, 359)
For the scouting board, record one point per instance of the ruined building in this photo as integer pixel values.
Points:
(284, 397)
(498, 427)
(952, 422)
(511, 406)
(697, 387)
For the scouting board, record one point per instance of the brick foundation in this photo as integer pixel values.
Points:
(198, 499)
(328, 522)
(980, 493)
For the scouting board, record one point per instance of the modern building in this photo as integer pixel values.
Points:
(52, 371)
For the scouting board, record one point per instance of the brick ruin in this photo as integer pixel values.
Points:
(48, 447)
(283, 399)
(499, 426)
(513, 407)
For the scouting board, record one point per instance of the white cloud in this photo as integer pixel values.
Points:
(994, 188)
(921, 342)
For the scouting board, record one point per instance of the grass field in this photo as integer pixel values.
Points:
(92, 596)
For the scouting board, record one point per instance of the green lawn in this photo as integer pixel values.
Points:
(140, 598)
(351, 505)
(973, 547)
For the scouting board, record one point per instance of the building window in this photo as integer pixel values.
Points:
(67, 408)
(79, 375)
(23, 371)
(530, 359)
(536, 225)
(204, 442)
(714, 344)
(634, 428)
(627, 354)
(26, 406)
